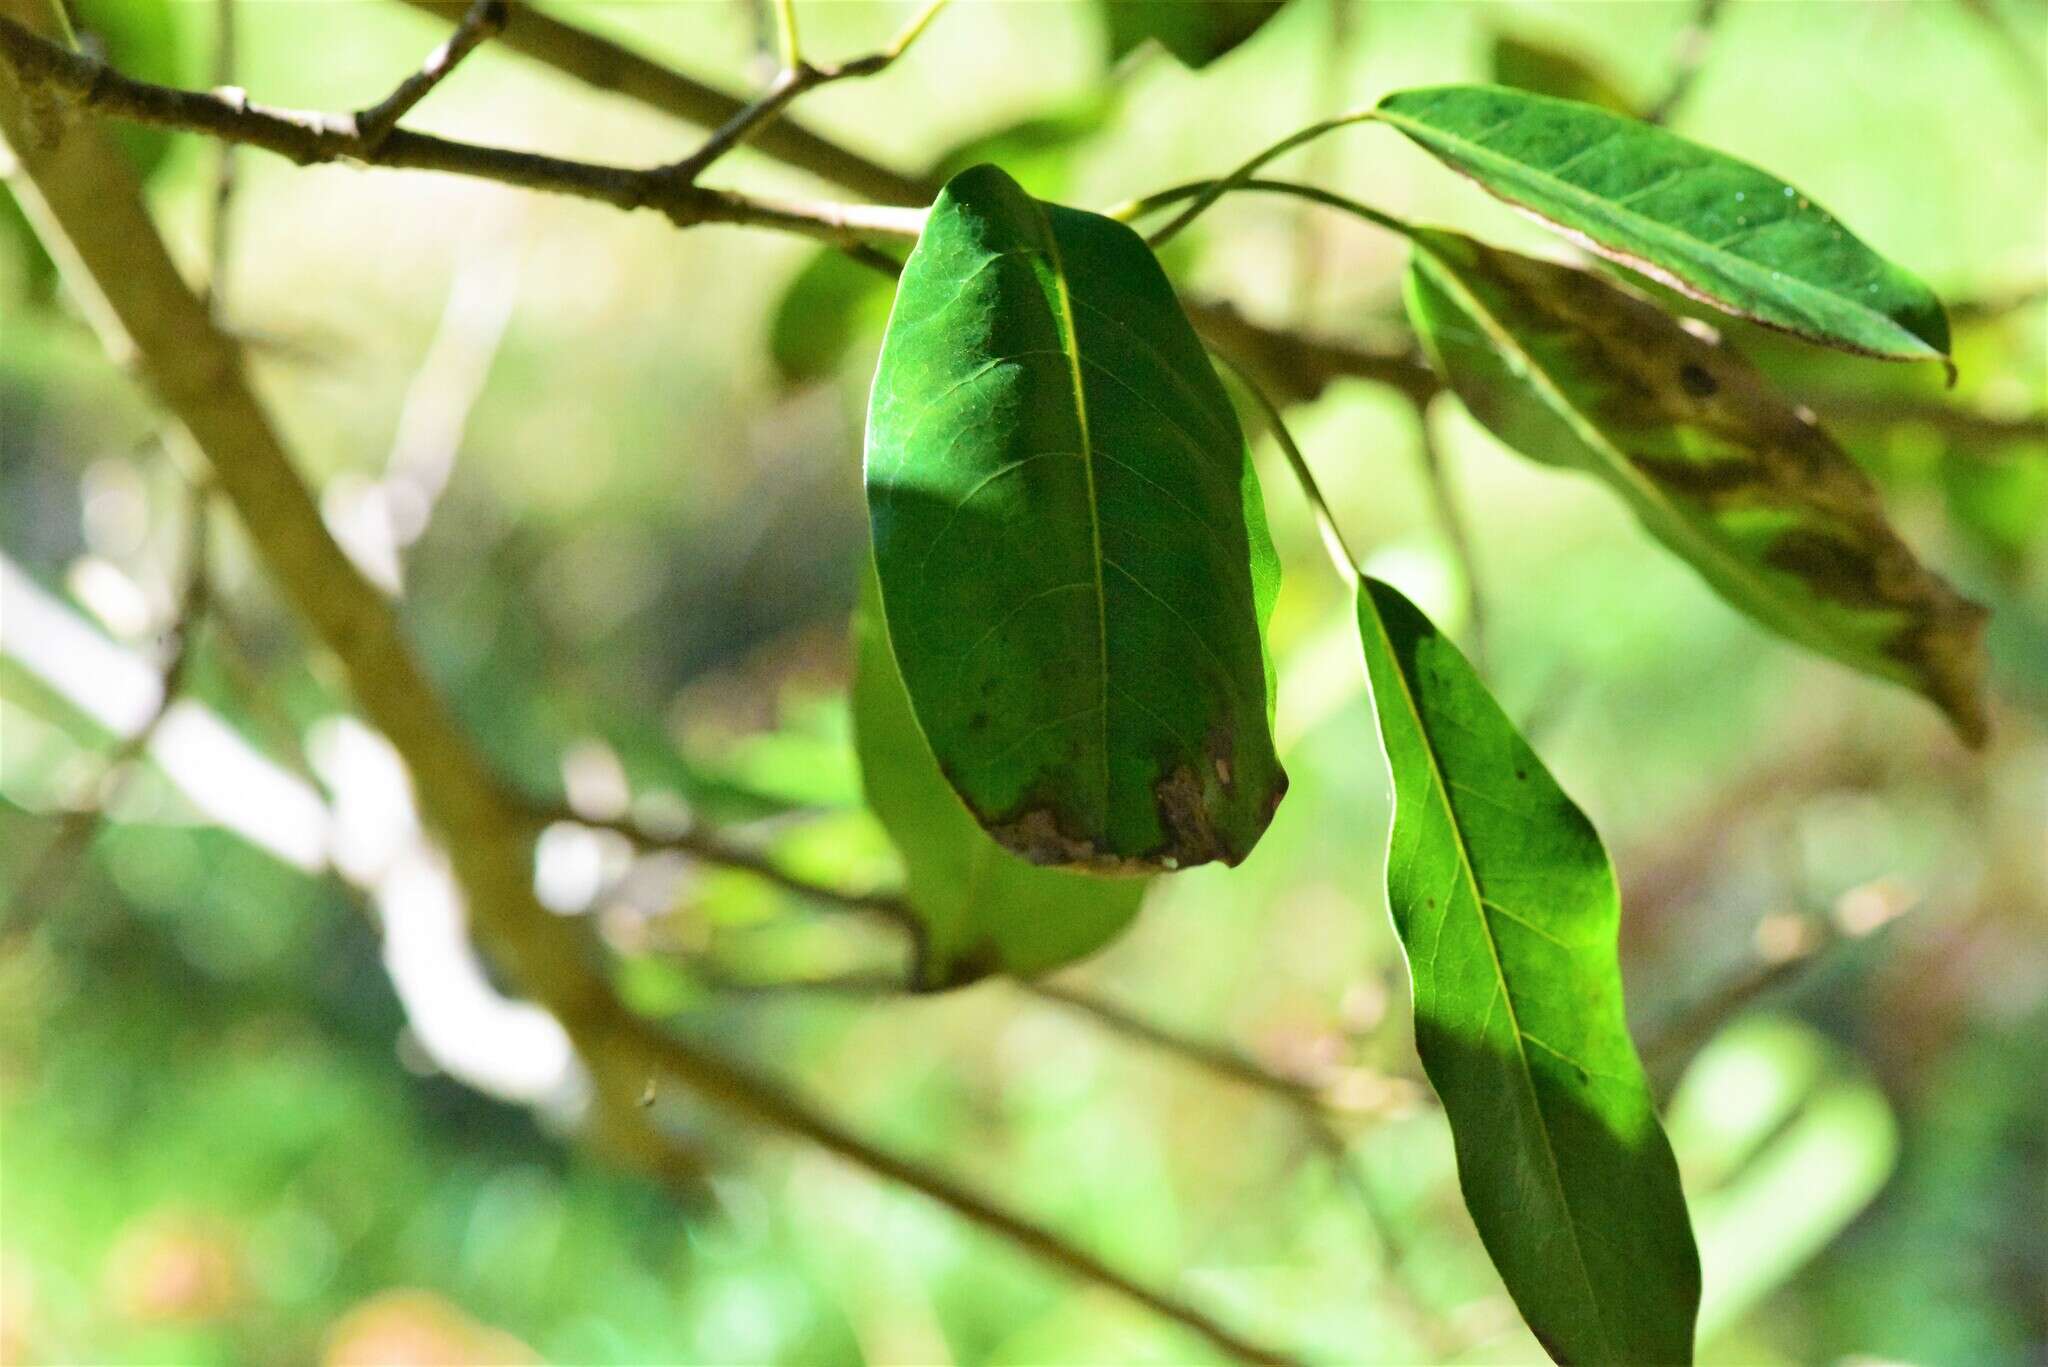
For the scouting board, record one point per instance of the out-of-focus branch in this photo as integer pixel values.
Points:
(308, 137)
(1451, 518)
(86, 205)
(221, 226)
(1694, 42)
(51, 871)
(712, 846)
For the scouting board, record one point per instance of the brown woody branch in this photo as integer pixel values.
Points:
(309, 138)
(484, 18)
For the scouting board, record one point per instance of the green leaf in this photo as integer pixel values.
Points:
(982, 909)
(1035, 151)
(828, 305)
(1574, 371)
(1196, 31)
(1073, 554)
(1507, 908)
(1546, 71)
(835, 301)
(1712, 227)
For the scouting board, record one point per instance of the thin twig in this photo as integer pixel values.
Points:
(737, 1087)
(713, 846)
(1347, 564)
(797, 78)
(603, 65)
(309, 138)
(1694, 42)
(485, 17)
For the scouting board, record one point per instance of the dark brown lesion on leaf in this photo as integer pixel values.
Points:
(1830, 566)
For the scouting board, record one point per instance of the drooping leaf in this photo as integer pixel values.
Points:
(1708, 225)
(982, 910)
(1072, 550)
(1547, 71)
(1036, 151)
(1196, 31)
(1572, 370)
(827, 306)
(1506, 906)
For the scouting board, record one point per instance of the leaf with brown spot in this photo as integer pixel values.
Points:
(979, 908)
(1573, 370)
(1070, 540)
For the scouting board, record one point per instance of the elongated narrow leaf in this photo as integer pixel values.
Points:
(1506, 906)
(1572, 370)
(1196, 31)
(982, 909)
(1073, 555)
(1706, 224)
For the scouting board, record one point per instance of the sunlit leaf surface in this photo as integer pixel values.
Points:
(1574, 371)
(1704, 223)
(1072, 551)
(1506, 905)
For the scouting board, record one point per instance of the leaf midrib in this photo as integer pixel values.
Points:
(1794, 622)
(1526, 1074)
(1750, 272)
(1063, 316)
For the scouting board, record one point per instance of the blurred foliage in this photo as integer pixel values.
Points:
(224, 1139)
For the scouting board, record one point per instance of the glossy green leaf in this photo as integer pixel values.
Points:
(1572, 370)
(1712, 227)
(1072, 550)
(1196, 31)
(1506, 906)
(1548, 71)
(835, 301)
(981, 909)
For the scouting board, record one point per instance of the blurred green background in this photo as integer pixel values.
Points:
(629, 545)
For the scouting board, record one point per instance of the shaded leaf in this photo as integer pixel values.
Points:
(830, 303)
(1506, 906)
(1072, 550)
(1035, 151)
(1546, 71)
(982, 909)
(1712, 227)
(1195, 31)
(1572, 370)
